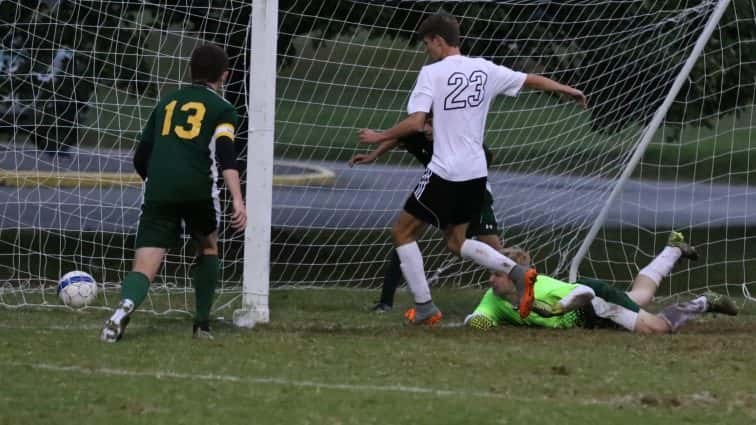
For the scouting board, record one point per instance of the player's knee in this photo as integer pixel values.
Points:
(651, 325)
(210, 251)
(454, 245)
(149, 272)
(401, 234)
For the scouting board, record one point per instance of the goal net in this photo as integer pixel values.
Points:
(79, 79)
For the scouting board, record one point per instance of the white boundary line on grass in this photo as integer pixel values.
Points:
(700, 398)
(260, 380)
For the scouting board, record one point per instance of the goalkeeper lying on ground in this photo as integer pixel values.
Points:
(592, 303)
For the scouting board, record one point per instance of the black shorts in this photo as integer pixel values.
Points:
(486, 222)
(160, 222)
(442, 202)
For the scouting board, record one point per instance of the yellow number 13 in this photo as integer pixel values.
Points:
(194, 119)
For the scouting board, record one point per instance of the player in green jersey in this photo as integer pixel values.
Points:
(420, 145)
(189, 134)
(593, 303)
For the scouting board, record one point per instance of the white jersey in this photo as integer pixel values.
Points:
(459, 90)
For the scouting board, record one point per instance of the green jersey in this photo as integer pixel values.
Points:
(182, 131)
(547, 290)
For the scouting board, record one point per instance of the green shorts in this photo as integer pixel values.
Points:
(486, 224)
(609, 294)
(160, 222)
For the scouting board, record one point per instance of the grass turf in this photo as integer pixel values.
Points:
(325, 359)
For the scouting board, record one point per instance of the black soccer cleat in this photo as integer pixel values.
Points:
(677, 240)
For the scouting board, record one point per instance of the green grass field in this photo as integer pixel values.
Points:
(324, 359)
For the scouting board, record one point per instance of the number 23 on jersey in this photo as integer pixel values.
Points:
(193, 120)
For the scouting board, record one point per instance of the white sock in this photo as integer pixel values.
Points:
(578, 297)
(662, 264)
(616, 313)
(412, 267)
(486, 256)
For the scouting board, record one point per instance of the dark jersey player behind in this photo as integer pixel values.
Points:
(189, 135)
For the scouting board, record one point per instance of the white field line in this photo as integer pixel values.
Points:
(257, 381)
(700, 398)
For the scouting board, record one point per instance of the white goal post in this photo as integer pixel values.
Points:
(261, 106)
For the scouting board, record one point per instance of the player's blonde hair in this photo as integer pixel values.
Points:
(518, 255)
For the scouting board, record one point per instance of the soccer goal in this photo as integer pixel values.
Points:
(665, 143)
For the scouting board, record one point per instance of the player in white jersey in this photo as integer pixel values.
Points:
(459, 90)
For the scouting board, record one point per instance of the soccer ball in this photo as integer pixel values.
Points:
(77, 289)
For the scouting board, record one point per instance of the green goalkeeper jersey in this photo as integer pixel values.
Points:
(547, 290)
(182, 131)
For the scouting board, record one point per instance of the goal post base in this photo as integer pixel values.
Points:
(249, 316)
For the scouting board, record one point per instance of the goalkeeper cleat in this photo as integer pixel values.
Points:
(718, 303)
(525, 283)
(381, 307)
(677, 240)
(479, 322)
(428, 319)
(202, 331)
(116, 325)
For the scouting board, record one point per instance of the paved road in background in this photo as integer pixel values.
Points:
(369, 197)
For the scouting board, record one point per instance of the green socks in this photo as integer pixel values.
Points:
(134, 287)
(205, 279)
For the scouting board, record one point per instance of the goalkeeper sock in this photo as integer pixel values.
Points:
(205, 279)
(135, 287)
(616, 313)
(391, 278)
(485, 256)
(662, 264)
(412, 267)
(678, 314)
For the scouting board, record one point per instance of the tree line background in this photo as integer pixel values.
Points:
(52, 58)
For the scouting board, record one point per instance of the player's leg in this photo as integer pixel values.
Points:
(494, 241)
(649, 278)
(470, 196)
(202, 220)
(158, 230)
(134, 289)
(392, 276)
(429, 203)
(468, 207)
(205, 279)
(676, 315)
(405, 232)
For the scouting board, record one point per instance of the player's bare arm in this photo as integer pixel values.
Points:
(542, 83)
(414, 123)
(367, 158)
(239, 216)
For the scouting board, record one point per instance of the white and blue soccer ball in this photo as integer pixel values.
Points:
(77, 289)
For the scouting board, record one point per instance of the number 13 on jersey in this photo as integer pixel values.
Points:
(193, 120)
